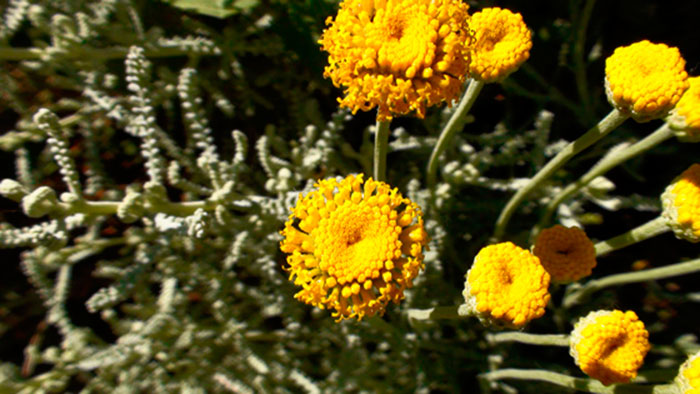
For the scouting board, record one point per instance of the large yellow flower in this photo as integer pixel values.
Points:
(353, 246)
(688, 379)
(565, 252)
(681, 202)
(685, 117)
(502, 43)
(506, 286)
(397, 55)
(645, 79)
(609, 345)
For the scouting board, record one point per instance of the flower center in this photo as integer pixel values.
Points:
(357, 240)
(492, 38)
(395, 26)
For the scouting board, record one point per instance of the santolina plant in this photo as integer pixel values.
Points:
(194, 220)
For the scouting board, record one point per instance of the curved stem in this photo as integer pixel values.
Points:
(381, 145)
(606, 164)
(605, 126)
(438, 312)
(581, 294)
(586, 385)
(530, 339)
(647, 230)
(451, 128)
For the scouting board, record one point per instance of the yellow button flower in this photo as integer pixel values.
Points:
(506, 286)
(353, 246)
(645, 79)
(685, 117)
(681, 204)
(566, 253)
(397, 55)
(688, 379)
(609, 345)
(502, 44)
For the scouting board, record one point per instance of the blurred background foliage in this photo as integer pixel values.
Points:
(268, 80)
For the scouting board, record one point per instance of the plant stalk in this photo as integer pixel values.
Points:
(604, 127)
(451, 128)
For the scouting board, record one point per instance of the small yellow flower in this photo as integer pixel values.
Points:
(566, 253)
(398, 55)
(502, 44)
(353, 246)
(645, 79)
(681, 204)
(685, 117)
(688, 379)
(506, 286)
(609, 345)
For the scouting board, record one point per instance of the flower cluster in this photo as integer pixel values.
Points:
(685, 117)
(609, 345)
(688, 379)
(506, 286)
(566, 253)
(502, 42)
(645, 79)
(681, 204)
(398, 55)
(353, 246)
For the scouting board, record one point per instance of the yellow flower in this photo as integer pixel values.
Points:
(353, 246)
(506, 286)
(681, 204)
(685, 117)
(609, 345)
(688, 379)
(566, 253)
(397, 55)
(502, 44)
(645, 79)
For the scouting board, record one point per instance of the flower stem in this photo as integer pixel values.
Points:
(531, 339)
(581, 294)
(438, 312)
(605, 126)
(586, 385)
(647, 230)
(381, 145)
(606, 164)
(451, 128)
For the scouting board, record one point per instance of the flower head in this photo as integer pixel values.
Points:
(688, 378)
(506, 286)
(685, 117)
(353, 246)
(645, 79)
(398, 55)
(681, 203)
(609, 345)
(502, 44)
(566, 253)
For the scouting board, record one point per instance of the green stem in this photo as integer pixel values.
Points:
(606, 164)
(530, 339)
(586, 385)
(110, 207)
(605, 126)
(381, 146)
(452, 126)
(647, 230)
(581, 294)
(439, 312)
